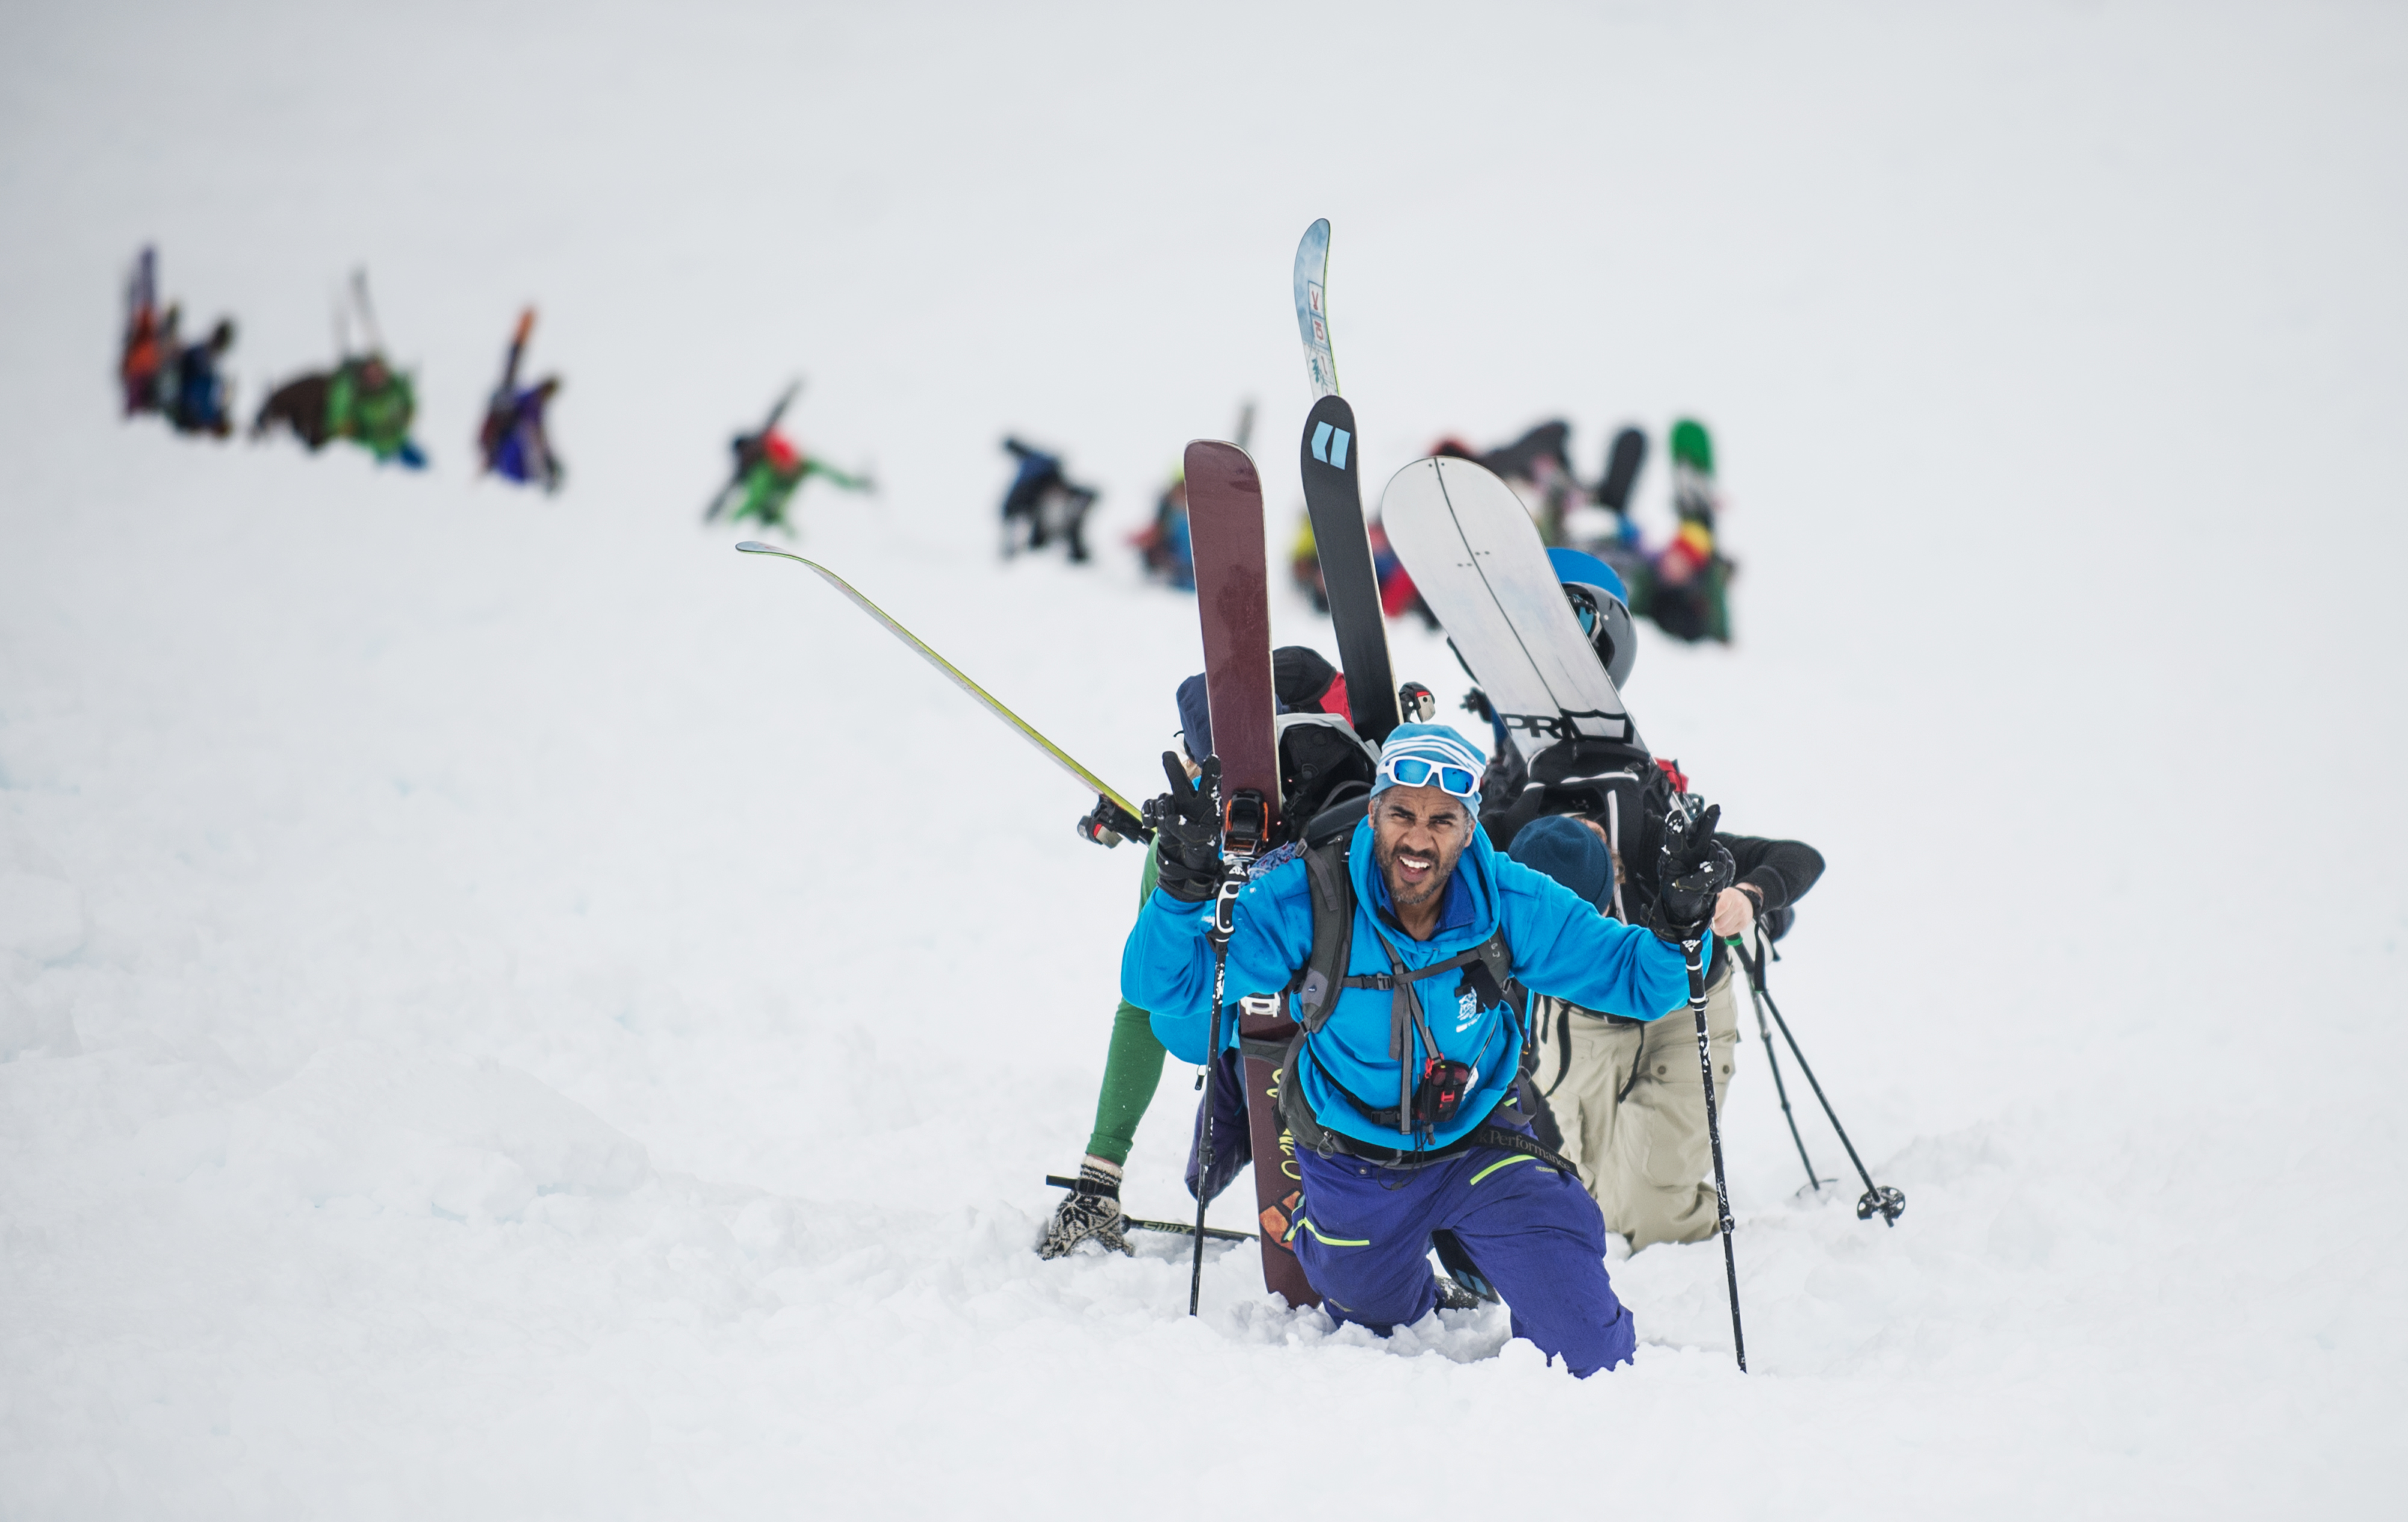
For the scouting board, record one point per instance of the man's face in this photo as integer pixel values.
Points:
(1417, 833)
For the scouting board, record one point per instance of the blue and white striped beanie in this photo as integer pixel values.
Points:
(1439, 744)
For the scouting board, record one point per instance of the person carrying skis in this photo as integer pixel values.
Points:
(1162, 546)
(1625, 1094)
(769, 471)
(1689, 595)
(1042, 504)
(1394, 949)
(513, 441)
(199, 403)
(1305, 683)
(521, 449)
(372, 404)
(364, 399)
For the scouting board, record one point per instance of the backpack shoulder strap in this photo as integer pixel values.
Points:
(1315, 991)
(1495, 958)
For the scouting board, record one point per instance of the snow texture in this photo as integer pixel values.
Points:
(513, 1010)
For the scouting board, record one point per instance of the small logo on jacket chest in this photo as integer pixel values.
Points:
(1467, 1010)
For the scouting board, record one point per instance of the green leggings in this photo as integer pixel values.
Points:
(1132, 1066)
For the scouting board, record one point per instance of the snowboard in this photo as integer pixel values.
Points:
(1060, 757)
(1476, 556)
(1333, 497)
(1225, 526)
(1622, 462)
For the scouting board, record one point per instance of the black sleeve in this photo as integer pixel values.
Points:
(1780, 871)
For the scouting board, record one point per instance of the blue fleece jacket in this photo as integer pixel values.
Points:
(1561, 945)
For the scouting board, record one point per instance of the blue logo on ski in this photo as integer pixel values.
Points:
(1330, 445)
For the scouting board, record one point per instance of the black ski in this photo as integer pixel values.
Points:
(1333, 494)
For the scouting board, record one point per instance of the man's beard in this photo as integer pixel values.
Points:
(1440, 871)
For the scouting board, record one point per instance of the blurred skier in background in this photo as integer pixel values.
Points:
(1397, 594)
(372, 404)
(1304, 564)
(201, 400)
(148, 337)
(1042, 505)
(1684, 586)
(768, 469)
(300, 405)
(513, 441)
(1689, 596)
(1162, 546)
(364, 399)
(158, 373)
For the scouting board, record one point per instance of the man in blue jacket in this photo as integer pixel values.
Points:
(1400, 1093)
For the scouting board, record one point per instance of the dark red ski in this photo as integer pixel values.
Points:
(1224, 522)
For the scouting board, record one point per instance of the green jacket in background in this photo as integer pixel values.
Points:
(377, 417)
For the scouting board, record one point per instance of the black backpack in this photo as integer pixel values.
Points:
(1323, 766)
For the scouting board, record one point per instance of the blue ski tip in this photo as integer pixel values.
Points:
(754, 547)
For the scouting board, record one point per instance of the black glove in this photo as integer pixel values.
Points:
(1187, 831)
(1691, 873)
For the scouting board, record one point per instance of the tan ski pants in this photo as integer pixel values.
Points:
(1633, 1112)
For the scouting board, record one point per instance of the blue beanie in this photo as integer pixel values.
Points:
(1438, 743)
(1568, 851)
(1194, 719)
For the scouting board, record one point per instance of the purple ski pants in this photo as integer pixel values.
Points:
(1364, 1237)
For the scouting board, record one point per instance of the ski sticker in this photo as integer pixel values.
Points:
(1330, 445)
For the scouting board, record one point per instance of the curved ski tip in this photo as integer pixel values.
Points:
(754, 547)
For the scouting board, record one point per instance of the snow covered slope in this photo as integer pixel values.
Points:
(510, 1009)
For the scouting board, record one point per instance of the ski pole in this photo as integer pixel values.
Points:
(1223, 920)
(367, 311)
(1694, 950)
(1211, 1071)
(1243, 818)
(1889, 1201)
(1764, 1034)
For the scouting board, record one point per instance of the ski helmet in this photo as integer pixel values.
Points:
(1598, 597)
